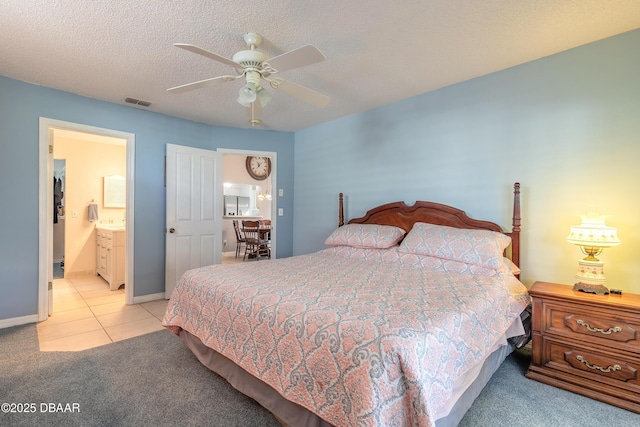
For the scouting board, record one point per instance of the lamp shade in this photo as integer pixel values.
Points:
(263, 96)
(593, 233)
(247, 93)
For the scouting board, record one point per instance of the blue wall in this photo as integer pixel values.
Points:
(566, 126)
(21, 106)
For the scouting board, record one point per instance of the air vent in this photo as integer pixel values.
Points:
(137, 102)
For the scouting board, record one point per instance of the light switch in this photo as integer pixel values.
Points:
(280, 211)
(281, 192)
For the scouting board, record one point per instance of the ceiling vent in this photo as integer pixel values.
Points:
(137, 102)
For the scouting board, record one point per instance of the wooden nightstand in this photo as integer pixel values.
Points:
(587, 344)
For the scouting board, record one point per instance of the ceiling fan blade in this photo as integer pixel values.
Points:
(303, 93)
(202, 83)
(296, 58)
(211, 55)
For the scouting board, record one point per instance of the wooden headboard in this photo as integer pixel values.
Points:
(404, 216)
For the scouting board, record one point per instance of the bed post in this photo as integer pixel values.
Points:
(341, 212)
(515, 234)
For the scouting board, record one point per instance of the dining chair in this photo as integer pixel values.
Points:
(239, 237)
(265, 229)
(255, 245)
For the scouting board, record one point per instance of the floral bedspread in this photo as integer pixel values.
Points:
(355, 339)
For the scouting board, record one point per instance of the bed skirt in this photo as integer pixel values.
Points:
(287, 412)
(292, 414)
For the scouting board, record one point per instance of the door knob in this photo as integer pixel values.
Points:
(172, 230)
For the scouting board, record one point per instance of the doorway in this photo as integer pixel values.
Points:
(262, 196)
(59, 218)
(48, 130)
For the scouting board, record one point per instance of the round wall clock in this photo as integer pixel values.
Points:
(259, 167)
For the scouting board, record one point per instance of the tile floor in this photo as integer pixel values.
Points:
(87, 314)
(230, 258)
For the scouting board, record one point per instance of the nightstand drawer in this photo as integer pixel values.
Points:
(600, 326)
(613, 369)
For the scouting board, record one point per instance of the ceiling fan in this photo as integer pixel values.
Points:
(255, 66)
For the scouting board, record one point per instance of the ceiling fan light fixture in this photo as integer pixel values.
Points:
(247, 94)
(252, 64)
(263, 96)
(243, 103)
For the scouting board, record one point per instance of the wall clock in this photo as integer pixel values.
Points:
(259, 167)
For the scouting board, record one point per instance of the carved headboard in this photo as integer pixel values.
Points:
(404, 216)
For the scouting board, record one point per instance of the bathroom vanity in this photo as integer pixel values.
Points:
(110, 254)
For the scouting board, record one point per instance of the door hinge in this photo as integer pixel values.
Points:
(50, 286)
(50, 149)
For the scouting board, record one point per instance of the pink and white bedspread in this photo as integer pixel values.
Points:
(360, 340)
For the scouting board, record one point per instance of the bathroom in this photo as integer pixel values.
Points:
(81, 164)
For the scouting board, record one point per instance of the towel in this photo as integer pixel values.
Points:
(93, 212)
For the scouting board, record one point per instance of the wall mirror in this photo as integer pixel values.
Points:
(115, 191)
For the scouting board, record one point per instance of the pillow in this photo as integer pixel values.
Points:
(514, 269)
(477, 247)
(365, 236)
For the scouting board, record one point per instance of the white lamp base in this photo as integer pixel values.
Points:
(591, 272)
(591, 277)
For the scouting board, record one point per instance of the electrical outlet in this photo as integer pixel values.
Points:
(280, 212)
(281, 192)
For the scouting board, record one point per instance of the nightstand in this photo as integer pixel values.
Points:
(588, 344)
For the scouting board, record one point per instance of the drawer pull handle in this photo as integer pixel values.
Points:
(590, 366)
(602, 331)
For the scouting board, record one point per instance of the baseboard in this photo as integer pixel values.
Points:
(14, 321)
(147, 298)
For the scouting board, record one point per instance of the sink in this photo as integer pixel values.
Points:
(113, 227)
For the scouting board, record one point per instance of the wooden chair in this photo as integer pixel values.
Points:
(239, 237)
(255, 244)
(265, 227)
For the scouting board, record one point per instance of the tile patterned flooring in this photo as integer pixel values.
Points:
(87, 314)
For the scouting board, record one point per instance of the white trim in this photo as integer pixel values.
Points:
(45, 215)
(130, 266)
(45, 209)
(7, 323)
(147, 298)
(274, 186)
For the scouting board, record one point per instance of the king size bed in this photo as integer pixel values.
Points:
(402, 320)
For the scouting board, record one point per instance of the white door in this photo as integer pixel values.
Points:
(194, 213)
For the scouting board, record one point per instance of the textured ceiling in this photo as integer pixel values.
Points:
(378, 51)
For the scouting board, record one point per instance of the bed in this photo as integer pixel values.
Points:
(402, 320)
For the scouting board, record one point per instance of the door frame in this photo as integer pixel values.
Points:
(274, 186)
(45, 210)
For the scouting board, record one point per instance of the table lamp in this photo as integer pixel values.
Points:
(592, 235)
